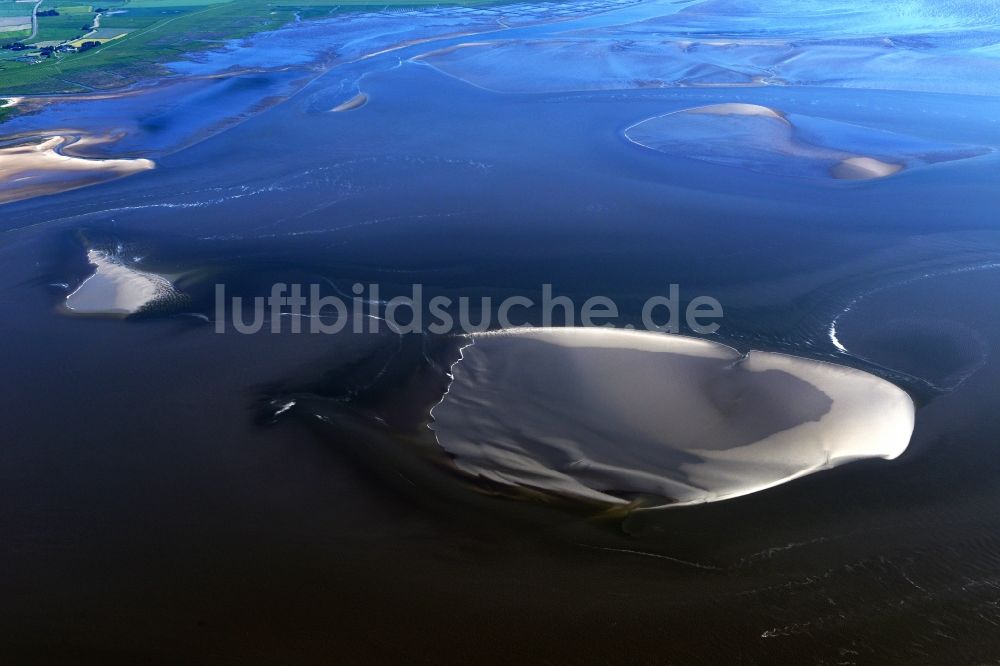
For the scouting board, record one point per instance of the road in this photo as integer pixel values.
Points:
(34, 21)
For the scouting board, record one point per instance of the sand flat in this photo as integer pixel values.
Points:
(767, 140)
(116, 289)
(862, 168)
(32, 169)
(355, 102)
(609, 415)
(738, 109)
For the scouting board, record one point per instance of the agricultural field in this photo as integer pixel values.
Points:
(79, 47)
(15, 20)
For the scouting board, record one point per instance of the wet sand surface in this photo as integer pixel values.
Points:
(168, 493)
(612, 415)
(33, 169)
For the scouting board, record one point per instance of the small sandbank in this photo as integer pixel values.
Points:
(651, 420)
(738, 109)
(33, 169)
(861, 168)
(355, 102)
(116, 289)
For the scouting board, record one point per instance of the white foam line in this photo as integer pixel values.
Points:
(832, 330)
(676, 560)
(451, 376)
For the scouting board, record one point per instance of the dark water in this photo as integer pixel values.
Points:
(155, 509)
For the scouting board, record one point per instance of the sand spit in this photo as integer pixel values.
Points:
(116, 289)
(767, 140)
(33, 169)
(355, 102)
(611, 415)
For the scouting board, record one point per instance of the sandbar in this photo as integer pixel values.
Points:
(653, 420)
(355, 102)
(115, 288)
(32, 169)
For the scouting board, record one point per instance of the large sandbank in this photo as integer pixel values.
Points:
(32, 169)
(620, 416)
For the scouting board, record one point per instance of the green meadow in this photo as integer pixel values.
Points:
(155, 31)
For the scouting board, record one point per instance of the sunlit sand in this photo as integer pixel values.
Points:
(31, 169)
(611, 415)
(116, 289)
(738, 109)
(861, 168)
(355, 102)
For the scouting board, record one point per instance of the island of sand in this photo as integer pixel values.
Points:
(355, 102)
(650, 420)
(766, 140)
(116, 289)
(32, 169)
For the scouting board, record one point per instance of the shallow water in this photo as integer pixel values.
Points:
(156, 504)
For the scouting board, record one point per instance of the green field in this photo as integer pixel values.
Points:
(11, 8)
(12, 14)
(159, 31)
(62, 27)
